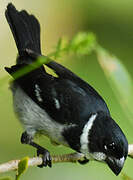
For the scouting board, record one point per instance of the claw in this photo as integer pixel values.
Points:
(46, 158)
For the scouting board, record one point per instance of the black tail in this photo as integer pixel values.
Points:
(25, 29)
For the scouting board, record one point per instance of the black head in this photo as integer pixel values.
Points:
(108, 143)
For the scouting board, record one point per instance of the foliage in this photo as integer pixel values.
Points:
(82, 44)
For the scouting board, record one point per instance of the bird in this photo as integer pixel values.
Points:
(65, 108)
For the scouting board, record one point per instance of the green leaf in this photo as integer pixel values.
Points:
(5, 178)
(83, 43)
(119, 79)
(22, 166)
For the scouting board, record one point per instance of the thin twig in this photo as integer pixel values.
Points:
(13, 165)
(74, 157)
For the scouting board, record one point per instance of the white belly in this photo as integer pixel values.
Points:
(35, 119)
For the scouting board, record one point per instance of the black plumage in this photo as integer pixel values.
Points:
(25, 29)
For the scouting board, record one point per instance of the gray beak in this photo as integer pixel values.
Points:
(115, 165)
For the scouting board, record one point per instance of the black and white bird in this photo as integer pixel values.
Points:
(65, 108)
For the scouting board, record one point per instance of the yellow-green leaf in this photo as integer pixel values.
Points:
(22, 166)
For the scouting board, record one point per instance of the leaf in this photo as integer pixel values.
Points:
(83, 43)
(22, 166)
(118, 78)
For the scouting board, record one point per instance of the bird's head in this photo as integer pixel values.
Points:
(105, 141)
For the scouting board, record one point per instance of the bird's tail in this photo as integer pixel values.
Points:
(25, 29)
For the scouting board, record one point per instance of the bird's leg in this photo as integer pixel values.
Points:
(46, 158)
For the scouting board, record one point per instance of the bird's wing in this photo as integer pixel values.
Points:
(67, 98)
(63, 99)
(65, 73)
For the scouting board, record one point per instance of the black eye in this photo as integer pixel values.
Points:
(110, 146)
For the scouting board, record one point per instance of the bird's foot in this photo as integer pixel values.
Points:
(46, 158)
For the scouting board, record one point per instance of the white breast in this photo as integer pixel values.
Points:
(35, 119)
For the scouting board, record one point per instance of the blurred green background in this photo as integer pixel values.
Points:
(112, 22)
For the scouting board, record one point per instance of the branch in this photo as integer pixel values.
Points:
(74, 157)
(13, 165)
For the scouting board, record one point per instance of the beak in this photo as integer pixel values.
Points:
(115, 165)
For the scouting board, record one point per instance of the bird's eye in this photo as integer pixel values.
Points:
(109, 146)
